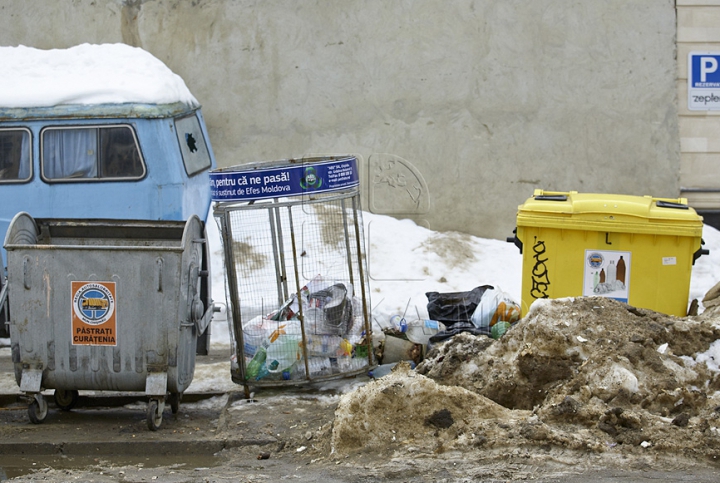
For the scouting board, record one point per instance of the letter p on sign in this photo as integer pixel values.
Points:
(708, 65)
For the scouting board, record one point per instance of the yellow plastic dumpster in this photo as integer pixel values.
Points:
(635, 249)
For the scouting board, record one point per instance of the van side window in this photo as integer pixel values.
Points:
(99, 152)
(15, 160)
(192, 144)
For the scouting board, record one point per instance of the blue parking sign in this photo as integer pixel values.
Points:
(704, 81)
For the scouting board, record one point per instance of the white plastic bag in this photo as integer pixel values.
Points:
(495, 306)
(284, 348)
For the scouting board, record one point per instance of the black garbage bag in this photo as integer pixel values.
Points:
(454, 307)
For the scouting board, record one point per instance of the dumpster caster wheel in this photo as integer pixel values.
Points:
(154, 415)
(38, 409)
(65, 400)
(174, 400)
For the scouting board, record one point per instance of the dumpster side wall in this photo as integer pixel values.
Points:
(457, 109)
(150, 332)
(558, 263)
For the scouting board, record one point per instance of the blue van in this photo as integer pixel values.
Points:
(105, 161)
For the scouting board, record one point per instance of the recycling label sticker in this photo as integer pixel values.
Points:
(607, 274)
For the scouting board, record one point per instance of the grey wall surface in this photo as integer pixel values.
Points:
(458, 109)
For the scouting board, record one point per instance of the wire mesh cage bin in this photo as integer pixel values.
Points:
(296, 280)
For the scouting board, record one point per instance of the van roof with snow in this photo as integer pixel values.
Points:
(99, 131)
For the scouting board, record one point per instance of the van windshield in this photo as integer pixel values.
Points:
(83, 153)
(15, 158)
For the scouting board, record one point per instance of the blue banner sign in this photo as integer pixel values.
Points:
(303, 177)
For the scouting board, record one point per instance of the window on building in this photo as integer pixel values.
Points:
(15, 159)
(91, 153)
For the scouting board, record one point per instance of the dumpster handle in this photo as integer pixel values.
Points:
(514, 239)
(26, 274)
(608, 242)
(671, 204)
(159, 263)
(555, 197)
(700, 251)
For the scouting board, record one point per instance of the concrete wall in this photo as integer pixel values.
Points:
(459, 109)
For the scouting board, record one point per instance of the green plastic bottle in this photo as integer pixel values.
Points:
(254, 369)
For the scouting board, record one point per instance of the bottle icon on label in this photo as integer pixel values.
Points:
(621, 270)
(602, 275)
(596, 279)
(611, 272)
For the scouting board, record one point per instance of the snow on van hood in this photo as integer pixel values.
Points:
(87, 74)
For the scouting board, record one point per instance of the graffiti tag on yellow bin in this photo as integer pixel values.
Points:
(94, 313)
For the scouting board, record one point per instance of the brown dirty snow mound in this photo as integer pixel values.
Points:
(588, 374)
(405, 409)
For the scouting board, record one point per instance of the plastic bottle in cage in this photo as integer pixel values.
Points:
(398, 323)
(318, 366)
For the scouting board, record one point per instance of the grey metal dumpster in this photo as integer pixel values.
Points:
(106, 305)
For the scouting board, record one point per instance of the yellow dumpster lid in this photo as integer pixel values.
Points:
(605, 212)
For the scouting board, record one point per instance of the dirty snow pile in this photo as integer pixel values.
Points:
(588, 374)
(87, 74)
(408, 410)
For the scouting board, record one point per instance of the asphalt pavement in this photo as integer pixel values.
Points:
(106, 424)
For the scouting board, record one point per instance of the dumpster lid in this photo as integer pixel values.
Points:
(608, 212)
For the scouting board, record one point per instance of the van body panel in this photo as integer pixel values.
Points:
(165, 192)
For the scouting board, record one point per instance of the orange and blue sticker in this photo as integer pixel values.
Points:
(94, 314)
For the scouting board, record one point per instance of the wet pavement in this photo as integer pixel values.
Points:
(106, 425)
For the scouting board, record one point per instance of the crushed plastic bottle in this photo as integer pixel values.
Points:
(319, 366)
(420, 331)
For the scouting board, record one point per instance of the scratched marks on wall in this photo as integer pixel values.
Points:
(396, 186)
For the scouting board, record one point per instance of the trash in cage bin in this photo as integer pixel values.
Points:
(297, 289)
(334, 311)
